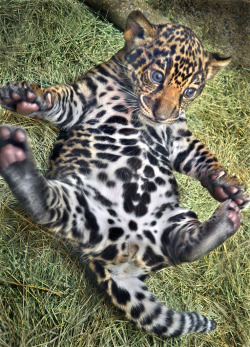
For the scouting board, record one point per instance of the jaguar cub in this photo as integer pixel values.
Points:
(111, 187)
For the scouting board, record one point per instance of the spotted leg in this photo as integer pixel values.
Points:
(191, 157)
(124, 285)
(53, 104)
(186, 239)
(26, 99)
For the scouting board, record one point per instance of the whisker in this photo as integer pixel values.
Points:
(122, 65)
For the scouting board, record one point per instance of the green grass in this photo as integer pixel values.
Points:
(47, 298)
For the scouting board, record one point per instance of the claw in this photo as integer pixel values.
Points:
(48, 98)
(218, 175)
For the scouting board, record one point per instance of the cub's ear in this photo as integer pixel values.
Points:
(137, 28)
(215, 64)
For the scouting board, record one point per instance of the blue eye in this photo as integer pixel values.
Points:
(189, 92)
(157, 76)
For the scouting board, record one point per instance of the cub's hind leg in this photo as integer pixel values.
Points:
(43, 199)
(186, 239)
(56, 204)
(18, 169)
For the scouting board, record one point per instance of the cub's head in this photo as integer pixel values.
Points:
(168, 66)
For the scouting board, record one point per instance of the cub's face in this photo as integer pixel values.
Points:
(167, 65)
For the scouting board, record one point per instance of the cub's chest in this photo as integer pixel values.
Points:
(127, 171)
(126, 153)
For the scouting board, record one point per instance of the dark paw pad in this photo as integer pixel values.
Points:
(12, 146)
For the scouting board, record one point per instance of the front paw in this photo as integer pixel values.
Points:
(24, 99)
(223, 187)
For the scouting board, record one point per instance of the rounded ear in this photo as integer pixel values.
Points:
(215, 64)
(137, 28)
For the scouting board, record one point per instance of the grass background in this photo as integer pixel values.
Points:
(47, 297)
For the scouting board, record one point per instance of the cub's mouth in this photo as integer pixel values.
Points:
(144, 117)
(147, 114)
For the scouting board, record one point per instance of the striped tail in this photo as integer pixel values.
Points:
(132, 296)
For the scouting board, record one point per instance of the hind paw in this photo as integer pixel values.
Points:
(226, 218)
(13, 146)
(25, 99)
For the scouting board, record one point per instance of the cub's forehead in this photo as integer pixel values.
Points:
(179, 40)
(173, 47)
(176, 32)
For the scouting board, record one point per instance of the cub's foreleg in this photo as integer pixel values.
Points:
(193, 158)
(62, 105)
(26, 99)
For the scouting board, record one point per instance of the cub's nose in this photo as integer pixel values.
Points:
(165, 114)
